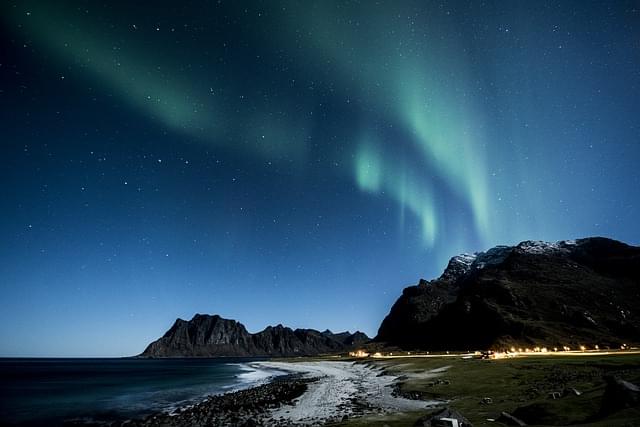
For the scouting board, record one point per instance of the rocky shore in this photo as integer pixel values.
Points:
(313, 393)
(244, 408)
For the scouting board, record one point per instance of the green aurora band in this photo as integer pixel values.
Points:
(164, 89)
(386, 65)
(411, 86)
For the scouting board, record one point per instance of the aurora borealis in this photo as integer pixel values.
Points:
(295, 162)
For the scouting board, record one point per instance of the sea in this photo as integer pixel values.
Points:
(35, 392)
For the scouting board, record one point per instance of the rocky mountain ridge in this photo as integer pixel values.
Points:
(213, 336)
(573, 292)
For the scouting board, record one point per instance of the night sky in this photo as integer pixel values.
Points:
(294, 162)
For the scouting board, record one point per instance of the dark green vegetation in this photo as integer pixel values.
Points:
(520, 386)
(582, 292)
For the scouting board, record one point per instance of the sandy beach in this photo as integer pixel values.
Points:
(343, 390)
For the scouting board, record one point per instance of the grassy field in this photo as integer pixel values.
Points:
(524, 383)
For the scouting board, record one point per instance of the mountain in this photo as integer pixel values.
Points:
(213, 336)
(348, 339)
(576, 292)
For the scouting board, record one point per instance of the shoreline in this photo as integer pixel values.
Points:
(245, 407)
(344, 390)
(308, 393)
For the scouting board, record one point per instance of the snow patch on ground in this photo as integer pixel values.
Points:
(538, 247)
(425, 375)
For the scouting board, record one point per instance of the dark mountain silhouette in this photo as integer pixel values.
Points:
(582, 292)
(213, 336)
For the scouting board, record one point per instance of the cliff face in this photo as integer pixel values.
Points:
(213, 336)
(203, 336)
(582, 292)
(281, 340)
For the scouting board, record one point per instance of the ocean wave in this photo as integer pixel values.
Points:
(251, 375)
